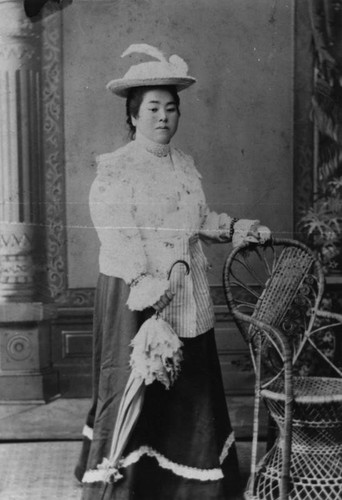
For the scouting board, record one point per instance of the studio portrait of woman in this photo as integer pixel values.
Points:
(170, 239)
(149, 209)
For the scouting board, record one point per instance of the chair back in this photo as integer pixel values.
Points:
(277, 284)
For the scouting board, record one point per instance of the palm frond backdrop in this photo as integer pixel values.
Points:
(321, 224)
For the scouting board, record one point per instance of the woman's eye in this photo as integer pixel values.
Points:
(154, 110)
(171, 110)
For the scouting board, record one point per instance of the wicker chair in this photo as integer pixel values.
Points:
(274, 293)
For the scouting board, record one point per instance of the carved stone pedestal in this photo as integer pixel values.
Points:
(16, 262)
(26, 372)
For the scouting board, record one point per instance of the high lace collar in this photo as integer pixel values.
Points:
(155, 148)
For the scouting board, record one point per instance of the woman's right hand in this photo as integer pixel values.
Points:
(164, 301)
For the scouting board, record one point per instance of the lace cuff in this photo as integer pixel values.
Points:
(217, 226)
(146, 290)
(241, 229)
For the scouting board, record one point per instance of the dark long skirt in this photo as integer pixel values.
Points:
(182, 447)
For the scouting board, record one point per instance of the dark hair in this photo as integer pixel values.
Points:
(135, 98)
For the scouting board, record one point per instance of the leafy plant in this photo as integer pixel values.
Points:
(321, 224)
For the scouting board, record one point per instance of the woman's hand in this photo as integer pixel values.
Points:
(259, 234)
(164, 301)
(246, 230)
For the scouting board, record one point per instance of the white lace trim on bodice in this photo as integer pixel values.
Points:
(155, 148)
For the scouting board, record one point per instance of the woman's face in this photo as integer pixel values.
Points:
(158, 116)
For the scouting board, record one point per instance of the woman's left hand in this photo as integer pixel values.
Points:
(259, 234)
(246, 230)
(164, 301)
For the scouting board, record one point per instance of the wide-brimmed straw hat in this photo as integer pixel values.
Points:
(153, 73)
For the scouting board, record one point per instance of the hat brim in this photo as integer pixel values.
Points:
(121, 87)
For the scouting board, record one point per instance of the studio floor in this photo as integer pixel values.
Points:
(39, 446)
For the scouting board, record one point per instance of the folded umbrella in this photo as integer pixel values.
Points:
(157, 356)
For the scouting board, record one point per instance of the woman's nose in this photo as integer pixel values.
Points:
(162, 115)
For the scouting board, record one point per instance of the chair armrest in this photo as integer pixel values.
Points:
(329, 315)
(261, 325)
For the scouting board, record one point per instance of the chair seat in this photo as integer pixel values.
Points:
(317, 402)
(316, 417)
(307, 390)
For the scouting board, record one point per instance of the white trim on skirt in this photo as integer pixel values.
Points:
(105, 471)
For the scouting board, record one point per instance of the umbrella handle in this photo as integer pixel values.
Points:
(179, 262)
(187, 271)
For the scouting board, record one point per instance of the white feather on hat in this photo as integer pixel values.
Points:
(153, 73)
(144, 48)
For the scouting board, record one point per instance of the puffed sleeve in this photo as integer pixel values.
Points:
(122, 251)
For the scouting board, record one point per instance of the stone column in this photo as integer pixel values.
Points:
(20, 149)
(25, 344)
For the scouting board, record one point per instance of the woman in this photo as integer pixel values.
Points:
(149, 210)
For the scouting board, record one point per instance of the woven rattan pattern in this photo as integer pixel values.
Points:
(291, 268)
(312, 476)
(310, 417)
(284, 285)
(316, 454)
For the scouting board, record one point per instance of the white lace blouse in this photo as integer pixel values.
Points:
(148, 207)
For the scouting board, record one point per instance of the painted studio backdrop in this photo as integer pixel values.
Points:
(240, 122)
(236, 120)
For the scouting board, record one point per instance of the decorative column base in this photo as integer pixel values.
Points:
(26, 373)
(16, 262)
